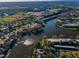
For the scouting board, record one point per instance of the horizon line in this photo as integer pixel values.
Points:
(39, 1)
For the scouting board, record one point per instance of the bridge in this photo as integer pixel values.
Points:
(49, 17)
(54, 15)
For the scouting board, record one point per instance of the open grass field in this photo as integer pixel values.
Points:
(14, 17)
(6, 19)
(10, 18)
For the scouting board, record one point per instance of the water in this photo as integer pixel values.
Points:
(21, 51)
(50, 28)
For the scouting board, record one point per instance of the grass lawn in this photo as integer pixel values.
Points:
(6, 19)
(70, 28)
(13, 17)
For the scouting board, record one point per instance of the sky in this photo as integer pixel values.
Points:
(21, 0)
(33, 0)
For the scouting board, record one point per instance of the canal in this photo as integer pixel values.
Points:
(50, 29)
(23, 51)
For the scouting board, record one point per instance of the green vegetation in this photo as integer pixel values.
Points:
(70, 28)
(13, 17)
(20, 14)
(46, 46)
(69, 54)
(6, 19)
(42, 44)
(54, 10)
